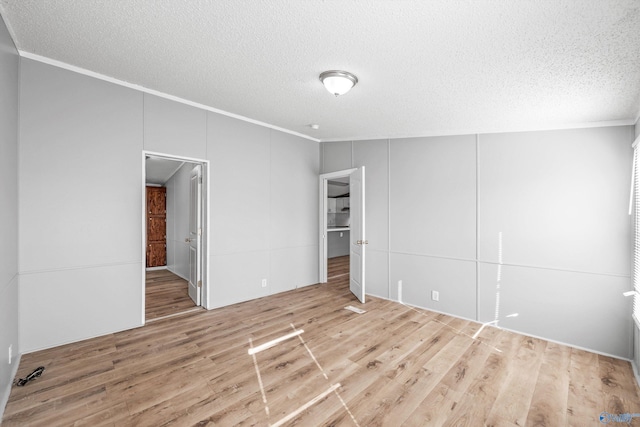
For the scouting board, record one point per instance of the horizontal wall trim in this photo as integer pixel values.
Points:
(567, 270)
(261, 250)
(376, 250)
(538, 267)
(293, 247)
(80, 267)
(89, 73)
(464, 132)
(433, 256)
(543, 127)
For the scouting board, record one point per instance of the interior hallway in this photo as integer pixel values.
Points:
(165, 294)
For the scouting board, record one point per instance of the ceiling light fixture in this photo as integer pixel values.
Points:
(338, 82)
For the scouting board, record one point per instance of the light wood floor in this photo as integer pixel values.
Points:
(391, 366)
(166, 294)
(337, 267)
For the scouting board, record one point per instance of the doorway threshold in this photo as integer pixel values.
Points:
(174, 314)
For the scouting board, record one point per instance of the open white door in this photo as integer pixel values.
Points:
(357, 229)
(195, 235)
(358, 242)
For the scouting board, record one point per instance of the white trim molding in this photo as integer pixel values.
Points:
(79, 70)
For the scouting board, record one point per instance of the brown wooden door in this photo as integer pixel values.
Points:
(157, 201)
(156, 229)
(156, 226)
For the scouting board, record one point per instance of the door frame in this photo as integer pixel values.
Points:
(206, 208)
(323, 192)
(195, 272)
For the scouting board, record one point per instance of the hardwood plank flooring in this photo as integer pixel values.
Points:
(393, 365)
(165, 294)
(337, 267)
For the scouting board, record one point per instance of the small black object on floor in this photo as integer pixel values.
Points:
(32, 376)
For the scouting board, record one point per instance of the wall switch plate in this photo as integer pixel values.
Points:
(264, 283)
(435, 295)
(10, 353)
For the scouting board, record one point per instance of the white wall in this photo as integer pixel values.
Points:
(560, 199)
(336, 156)
(435, 207)
(293, 214)
(337, 245)
(263, 210)
(80, 206)
(432, 220)
(178, 130)
(81, 261)
(174, 128)
(8, 213)
(178, 188)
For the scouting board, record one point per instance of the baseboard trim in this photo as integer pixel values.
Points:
(178, 274)
(4, 398)
(635, 372)
(517, 332)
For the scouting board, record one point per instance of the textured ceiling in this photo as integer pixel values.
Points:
(159, 170)
(425, 67)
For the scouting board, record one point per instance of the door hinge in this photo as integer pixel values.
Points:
(199, 283)
(362, 242)
(199, 231)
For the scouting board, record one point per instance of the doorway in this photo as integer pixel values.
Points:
(338, 223)
(342, 229)
(175, 269)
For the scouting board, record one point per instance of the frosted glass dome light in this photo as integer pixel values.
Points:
(338, 82)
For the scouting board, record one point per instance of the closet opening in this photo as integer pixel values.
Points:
(174, 235)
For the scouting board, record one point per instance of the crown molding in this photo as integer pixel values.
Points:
(79, 70)
(457, 132)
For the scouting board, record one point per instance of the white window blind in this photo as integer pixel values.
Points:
(635, 211)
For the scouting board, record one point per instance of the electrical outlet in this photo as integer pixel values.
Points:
(10, 353)
(435, 295)
(264, 283)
